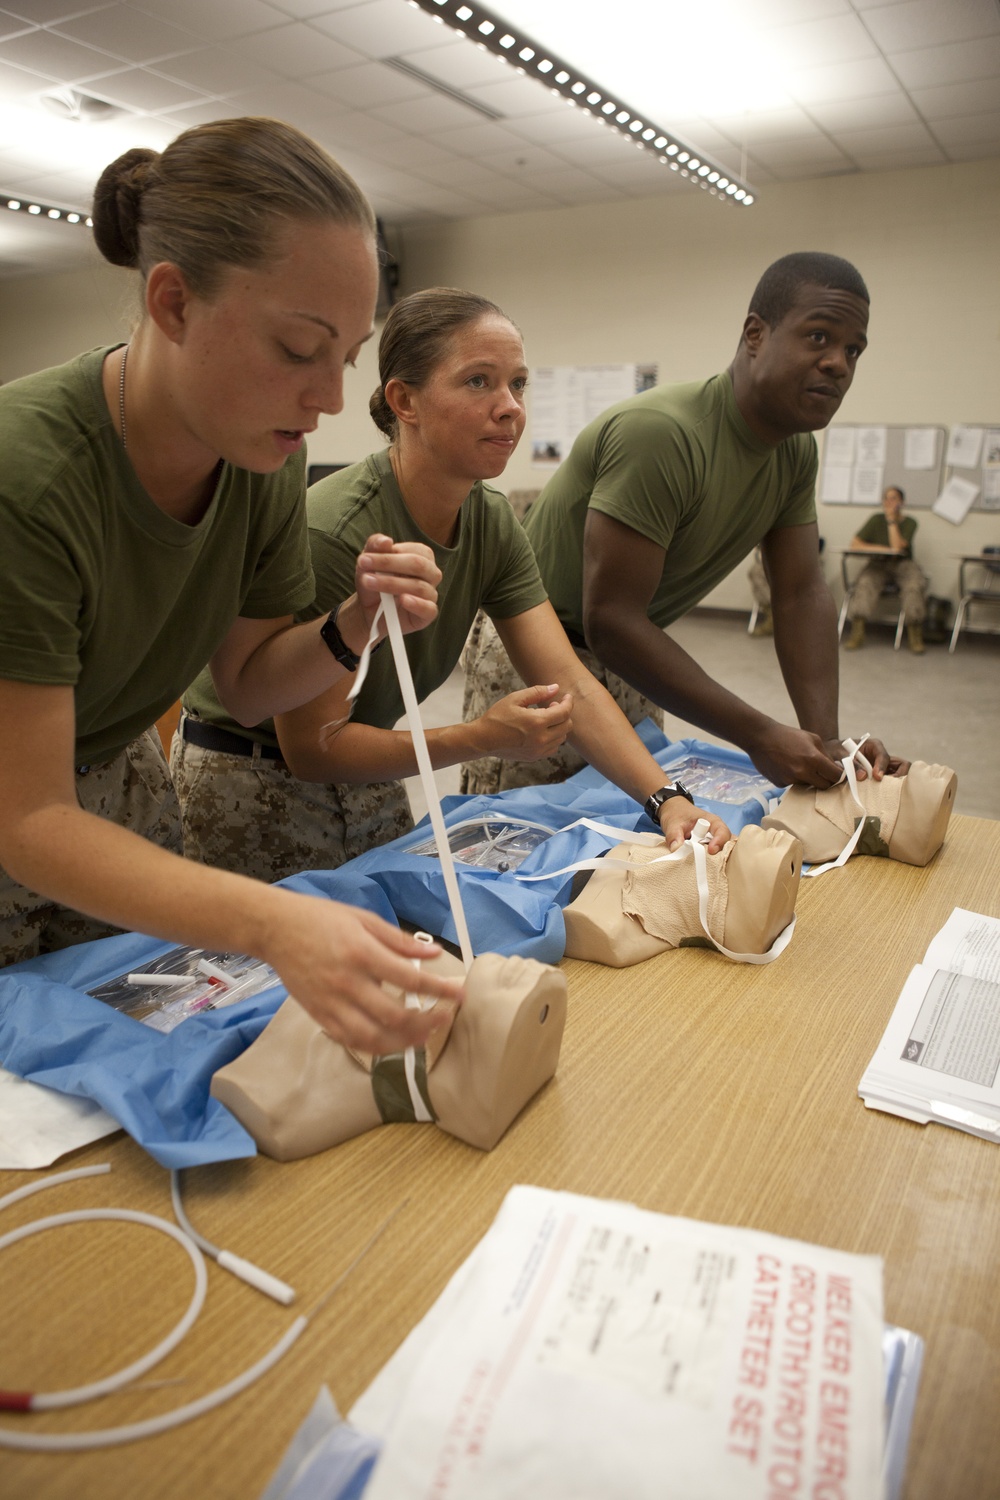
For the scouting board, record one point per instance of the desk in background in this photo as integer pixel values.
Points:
(986, 588)
(687, 1084)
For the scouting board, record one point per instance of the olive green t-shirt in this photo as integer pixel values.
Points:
(489, 566)
(103, 591)
(875, 531)
(679, 465)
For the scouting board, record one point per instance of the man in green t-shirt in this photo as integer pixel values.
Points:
(664, 494)
(888, 534)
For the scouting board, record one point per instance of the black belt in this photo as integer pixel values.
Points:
(211, 737)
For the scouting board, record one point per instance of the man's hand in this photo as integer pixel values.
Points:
(786, 756)
(678, 817)
(882, 763)
(526, 725)
(333, 959)
(406, 569)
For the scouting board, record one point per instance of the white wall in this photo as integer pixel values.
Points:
(668, 279)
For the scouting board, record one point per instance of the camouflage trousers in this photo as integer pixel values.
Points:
(133, 790)
(252, 816)
(489, 675)
(872, 580)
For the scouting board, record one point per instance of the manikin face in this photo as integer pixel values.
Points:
(468, 415)
(261, 360)
(802, 369)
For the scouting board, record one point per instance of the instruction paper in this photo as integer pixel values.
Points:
(593, 1349)
(964, 447)
(920, 445)
(955, 500)
(939, 1058)
(564, 398)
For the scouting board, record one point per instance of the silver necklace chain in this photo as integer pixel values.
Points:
(121, 398)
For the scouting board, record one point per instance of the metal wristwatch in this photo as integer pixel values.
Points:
(655, 800)
(335, 641)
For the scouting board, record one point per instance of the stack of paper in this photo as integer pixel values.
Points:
(939, 1058)
(592, 1349)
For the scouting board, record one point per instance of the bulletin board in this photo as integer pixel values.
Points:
(972, 457)
(858, 463)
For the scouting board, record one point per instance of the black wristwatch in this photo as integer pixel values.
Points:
(333, 638)
(655, 801)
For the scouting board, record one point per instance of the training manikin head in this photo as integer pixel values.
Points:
(906, 817)
(624, 915)
(297, 1091)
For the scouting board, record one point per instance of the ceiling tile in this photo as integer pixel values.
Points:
(200, 114)
(47, 12)
(599, 148)
(15, 83)
(556, 126)
(836, 39)
(514, 96)
(956, 98)
(423, 116)
(306, 10)
(361, 132)
(381, 28)
(11, 26)
(929, 23)
(462, 174)
(505, 196)
(955, 63)
(453, 205)
(297, 50)
(855, 80)
(862, 143)
(864, 114)
(369, 84)
(898, 161)
(573, 185)
(460, 65)
(814, 153)
(969, 130)
(129, 33)
(56, 56)
(215, 70)
(284, 100)
(521, 158)
(219, 20)
(702, 135)
(479, 140)
(764, 125)
(139, 89)
(412, 153)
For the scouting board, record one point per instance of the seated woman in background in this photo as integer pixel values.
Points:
(890, 535)
(304, 793)
(152, 505)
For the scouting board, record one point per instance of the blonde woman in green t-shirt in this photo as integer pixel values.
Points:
(152, 505)
(322, 783)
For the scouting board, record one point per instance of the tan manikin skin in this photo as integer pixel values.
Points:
(297, 1091)
(911, 812)
(624, 916)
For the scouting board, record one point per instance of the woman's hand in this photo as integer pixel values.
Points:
(404, 569)
(526, 725)
(678, 817)
(334, 958)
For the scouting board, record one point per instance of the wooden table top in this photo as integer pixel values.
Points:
(687, 1084)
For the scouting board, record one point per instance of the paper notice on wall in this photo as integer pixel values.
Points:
(991, 489)
(590, 1350)
(866, 484)
(964, 447)
(838, 447)
(991, 448)
(835, 486)
(955, 499)
(920, 447)
(564, 398)
(871, 447)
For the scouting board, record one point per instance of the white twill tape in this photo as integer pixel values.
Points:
(426, 773)
(698, 838)
(853, 754)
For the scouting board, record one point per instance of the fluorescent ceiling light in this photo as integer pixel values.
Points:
(531, 58)
(54, 145)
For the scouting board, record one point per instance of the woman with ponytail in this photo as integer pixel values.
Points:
(324, 784)
(152, 508)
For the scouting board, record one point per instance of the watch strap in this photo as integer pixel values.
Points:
(330, 634)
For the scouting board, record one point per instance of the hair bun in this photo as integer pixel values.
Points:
(382, 413)
(117, 211)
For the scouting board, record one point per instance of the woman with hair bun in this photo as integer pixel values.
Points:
(152, 507)
(451, 403)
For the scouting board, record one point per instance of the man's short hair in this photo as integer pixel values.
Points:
(778, 289)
